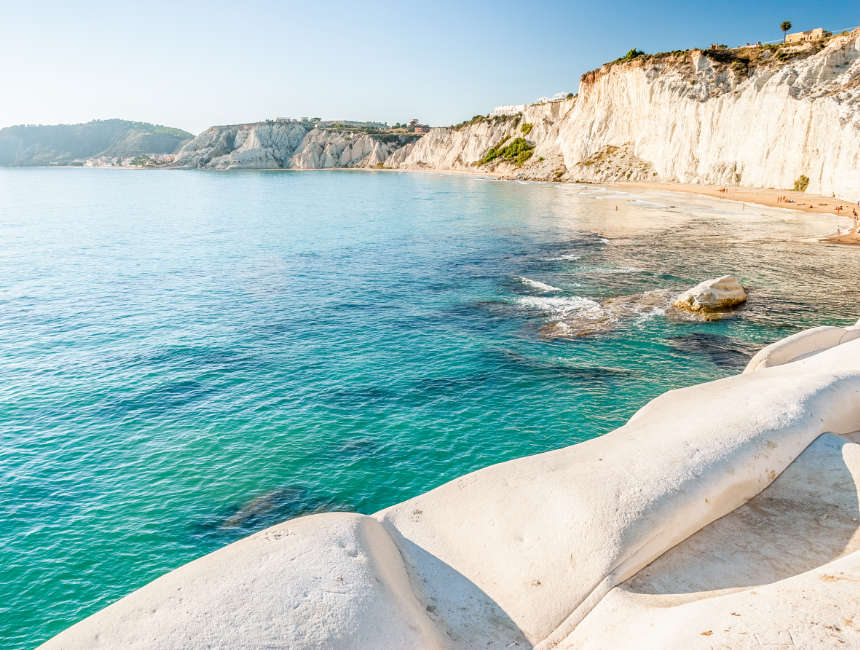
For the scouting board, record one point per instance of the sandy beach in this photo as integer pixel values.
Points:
(774, 198)
(770, 197)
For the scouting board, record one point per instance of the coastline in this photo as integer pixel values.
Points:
(768, 197)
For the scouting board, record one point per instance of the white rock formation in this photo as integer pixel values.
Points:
(721, 515)
(801, 345)
(691, 117)
(287, 144)
(700, 121)
(714, 295)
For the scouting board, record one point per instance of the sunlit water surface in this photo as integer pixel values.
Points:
(188, 357)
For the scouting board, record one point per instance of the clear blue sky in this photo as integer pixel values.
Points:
(193, 64)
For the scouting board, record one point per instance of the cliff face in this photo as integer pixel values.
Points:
(698, 120)
(285, 144)
(463, 147)
(254, 146)
(759, 117)
(753, 117)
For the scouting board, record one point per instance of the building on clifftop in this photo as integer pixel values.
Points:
(809, 35)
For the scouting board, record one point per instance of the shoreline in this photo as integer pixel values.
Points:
(768, 197)
(772, 198)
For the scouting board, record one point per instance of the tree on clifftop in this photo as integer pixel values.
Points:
(785, 26)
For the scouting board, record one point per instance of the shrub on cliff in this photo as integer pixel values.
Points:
(526, 128)
(631, 54)
(801, 183)
(475, 120)
(517, 151)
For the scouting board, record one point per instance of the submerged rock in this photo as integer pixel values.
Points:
(598, 318)
(723, 351)
(712, 299)
(274, 506)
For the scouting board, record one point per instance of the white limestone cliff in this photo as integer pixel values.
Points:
(287, 144)
(695, 120)
(690, 118)
(721, 515)
(759, 117)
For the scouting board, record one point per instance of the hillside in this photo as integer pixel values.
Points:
(296, 144)
(64, 144)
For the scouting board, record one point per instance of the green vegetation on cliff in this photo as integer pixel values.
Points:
(742, 60)
(517, 151)
(63, 144)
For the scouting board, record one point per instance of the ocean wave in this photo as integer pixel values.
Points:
(600, 193)
(575, 317)
(566, 257)
(648, 204)
(574, 306)
(607, 270)
(536, 284)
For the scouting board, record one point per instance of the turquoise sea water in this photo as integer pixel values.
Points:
(188, 357)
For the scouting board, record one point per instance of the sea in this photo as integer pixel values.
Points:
(187, 357)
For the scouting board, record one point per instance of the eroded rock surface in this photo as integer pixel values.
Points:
(711, 298)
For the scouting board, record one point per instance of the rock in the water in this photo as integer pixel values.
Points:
(712, 296)
(583, 317)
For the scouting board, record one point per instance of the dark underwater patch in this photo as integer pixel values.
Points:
(347, 450)
(553, 368)
(722, 351)
(200, 358)
(163, 398)
(267, 509)
(358, 396)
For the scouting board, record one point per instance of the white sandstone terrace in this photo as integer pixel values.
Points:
(691, 117)
(721, 515)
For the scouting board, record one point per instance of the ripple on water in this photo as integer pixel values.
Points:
(210, 354)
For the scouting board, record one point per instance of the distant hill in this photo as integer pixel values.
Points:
(68, 143)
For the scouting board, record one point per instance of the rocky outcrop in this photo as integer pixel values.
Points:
(289, 144)
(253, 146)
(712, 297)
(759, 117)
(720, 515)
(715, 117)
(800, 345)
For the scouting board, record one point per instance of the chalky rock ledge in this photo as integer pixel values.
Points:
(720, 515)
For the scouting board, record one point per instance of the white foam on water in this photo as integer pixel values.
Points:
(536, 284)
(648, 204)
(605, 270)
(564, 307)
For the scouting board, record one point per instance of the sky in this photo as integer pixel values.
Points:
(193, 64)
